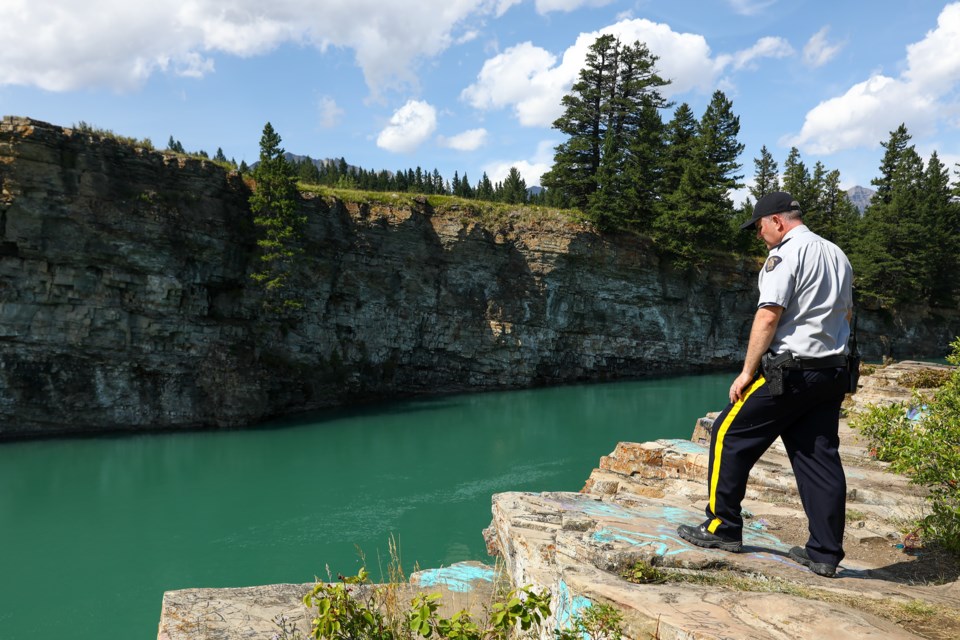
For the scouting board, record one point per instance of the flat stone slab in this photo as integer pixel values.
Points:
(228, 614)
(252, 612)
(579, 543)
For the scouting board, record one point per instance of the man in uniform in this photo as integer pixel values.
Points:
(800, 333)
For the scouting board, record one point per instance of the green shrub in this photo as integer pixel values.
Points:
(353, 609)
(886, 427)
(597, 622)
(927, 450)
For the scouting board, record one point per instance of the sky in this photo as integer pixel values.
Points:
(474, 86)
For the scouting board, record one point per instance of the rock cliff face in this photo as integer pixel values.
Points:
(125, 301)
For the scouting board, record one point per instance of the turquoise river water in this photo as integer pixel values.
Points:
(93, 531)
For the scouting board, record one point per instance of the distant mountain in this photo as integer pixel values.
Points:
(326, 162)
(860, 197)
(534, 191)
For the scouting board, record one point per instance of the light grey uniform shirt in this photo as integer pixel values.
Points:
(812, 280)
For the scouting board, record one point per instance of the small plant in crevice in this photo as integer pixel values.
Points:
(645, 573)
(288, 629)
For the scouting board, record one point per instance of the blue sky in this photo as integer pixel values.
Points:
(474, 85)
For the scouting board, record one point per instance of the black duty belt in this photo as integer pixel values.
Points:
(829, 362)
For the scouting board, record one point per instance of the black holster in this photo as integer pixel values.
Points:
(772, 367)
(853, 371)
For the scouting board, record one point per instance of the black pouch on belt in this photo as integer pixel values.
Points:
(772, 366)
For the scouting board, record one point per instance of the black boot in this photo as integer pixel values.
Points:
(701, 537)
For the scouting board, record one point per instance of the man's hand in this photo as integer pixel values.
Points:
(740, 385)
(761, 335)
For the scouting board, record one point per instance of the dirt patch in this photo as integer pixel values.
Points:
(928, 565)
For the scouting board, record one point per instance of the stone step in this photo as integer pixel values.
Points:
(649, 467)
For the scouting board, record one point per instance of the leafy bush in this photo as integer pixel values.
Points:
(886, 427)
(597, 622)
(927, 450)
(353, 609)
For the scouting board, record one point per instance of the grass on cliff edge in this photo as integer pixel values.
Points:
(489, 213)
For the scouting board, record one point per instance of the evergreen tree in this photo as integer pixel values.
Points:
(308, 172)
(609, 167)
(699, 214)
(485, 190)
(274, 206)
(401, 180)
(815, 189)
(243, 167)
(838, 219)
(577, 160)
(940, 217)
(680, 137)
(796, 177)
(514, 187)
(466, 191)
(889, 257)
(438, 185)
(175, 146)
(219, 157)
(895, 147)
(766, 177)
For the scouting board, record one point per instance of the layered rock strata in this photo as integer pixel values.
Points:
(126, 303)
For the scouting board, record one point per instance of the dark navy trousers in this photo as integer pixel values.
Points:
(806, 418)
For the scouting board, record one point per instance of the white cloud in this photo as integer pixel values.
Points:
(411, 125)
(546, 6)
(933, 64)
(62, 45)
(750, 7)
(329, 112)
(864, 116)
(530, 169)
(767, 47)
(818, 51)
(466, 141)
(530, 79)
(869, 110)
(503, 5)
(511, 77)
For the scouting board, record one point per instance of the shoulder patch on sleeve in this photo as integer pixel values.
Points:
(772, 263)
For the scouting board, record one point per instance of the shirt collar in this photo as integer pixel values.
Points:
(791, 234)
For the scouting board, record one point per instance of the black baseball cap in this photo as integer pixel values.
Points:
(775, 202)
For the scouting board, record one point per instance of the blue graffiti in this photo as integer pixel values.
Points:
(662, 544)
(684, 446)
(568, 607)
(458, 577)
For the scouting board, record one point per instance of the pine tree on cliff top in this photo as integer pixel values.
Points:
(274, 206)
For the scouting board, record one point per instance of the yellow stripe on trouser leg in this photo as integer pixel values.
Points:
(718, 450)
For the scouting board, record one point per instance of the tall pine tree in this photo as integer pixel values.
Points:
(766, 178)
(274, 206)
(891, 255)
(699, 214)
(613, 125)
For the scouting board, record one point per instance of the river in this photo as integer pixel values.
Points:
(93, 531)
